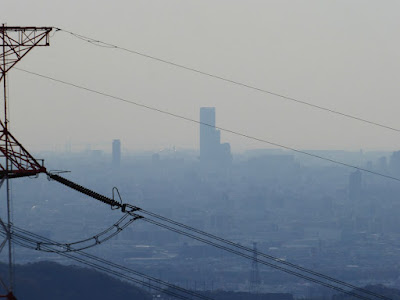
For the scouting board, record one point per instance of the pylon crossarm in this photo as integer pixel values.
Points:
(22, 162)
(33, 163)
(18, 41)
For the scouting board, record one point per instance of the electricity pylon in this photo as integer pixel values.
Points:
(15, 160)
(254, 274)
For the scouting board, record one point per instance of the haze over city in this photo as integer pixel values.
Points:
(206, 150)
(337, 54)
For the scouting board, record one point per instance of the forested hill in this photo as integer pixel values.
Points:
(50, 281)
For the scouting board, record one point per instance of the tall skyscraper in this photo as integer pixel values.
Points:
(355, 184)
(116, 153)
(209, 136)
(211, 149)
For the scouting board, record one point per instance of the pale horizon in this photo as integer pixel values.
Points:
(340, 55)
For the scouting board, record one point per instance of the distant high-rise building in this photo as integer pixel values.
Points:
(382, 164)
(355, 186)
(209, 136)
(211, 149)
(116, 153)
(395, 163)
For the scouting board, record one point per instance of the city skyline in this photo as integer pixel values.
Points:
(337, 66)
(266, 129)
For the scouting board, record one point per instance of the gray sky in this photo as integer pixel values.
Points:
(340, 54)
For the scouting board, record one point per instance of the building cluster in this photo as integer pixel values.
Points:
(334, 220)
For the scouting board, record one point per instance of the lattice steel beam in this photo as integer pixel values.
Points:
(16, 42)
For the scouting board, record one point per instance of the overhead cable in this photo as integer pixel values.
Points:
(270, 257)
(136, 213)
(30, 240)
(225, 79)
(251, 257)
(148, 107)
(97, 239)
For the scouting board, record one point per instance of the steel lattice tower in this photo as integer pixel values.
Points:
(15, 160)
(254, 273)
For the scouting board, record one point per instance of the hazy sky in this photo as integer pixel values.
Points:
(340, 54)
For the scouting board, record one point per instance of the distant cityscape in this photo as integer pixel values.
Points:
(333, 219)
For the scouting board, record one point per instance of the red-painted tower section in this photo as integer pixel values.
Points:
(15, 160)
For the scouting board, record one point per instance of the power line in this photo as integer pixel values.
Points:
(231, 81)
(31, 240)
(236, 133)
(51, 244)
(205, 124)
(250, 257)
(137, 212)
(33, 243)
(247, 249)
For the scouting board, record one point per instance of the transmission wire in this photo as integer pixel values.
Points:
(275, 259)
(120, 275)
(204, 241)
(225, 79)
(250, 257)
(243, 135)
(205, 124)
(49, 249)
(48, 243)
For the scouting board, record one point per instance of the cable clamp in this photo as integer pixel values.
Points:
(128, 208)
(137, 217)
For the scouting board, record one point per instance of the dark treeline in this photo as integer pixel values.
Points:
(50, 281)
